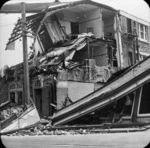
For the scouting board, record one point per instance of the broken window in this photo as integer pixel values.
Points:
(51, 32)
(74, 29)
(145, 100)
(45, 38)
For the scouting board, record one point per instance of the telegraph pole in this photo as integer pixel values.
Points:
(26, 86)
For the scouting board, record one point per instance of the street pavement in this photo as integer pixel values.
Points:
(101, 140)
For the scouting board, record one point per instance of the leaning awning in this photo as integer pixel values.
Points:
(130, 80)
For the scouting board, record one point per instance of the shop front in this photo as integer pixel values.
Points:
(44, 94)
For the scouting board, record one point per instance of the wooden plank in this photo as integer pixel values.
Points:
(30, 7)
(136, 103)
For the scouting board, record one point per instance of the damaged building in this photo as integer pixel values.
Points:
(88, 65)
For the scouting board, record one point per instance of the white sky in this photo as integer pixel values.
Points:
(138, 8)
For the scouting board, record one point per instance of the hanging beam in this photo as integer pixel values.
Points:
(30, 7)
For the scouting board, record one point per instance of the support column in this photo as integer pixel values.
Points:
(26, 87)
(136, 103)
(117, 28)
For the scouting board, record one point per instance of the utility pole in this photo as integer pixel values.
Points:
(26, 86)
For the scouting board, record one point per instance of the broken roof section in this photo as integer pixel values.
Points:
(35, 22)
(32, 22)
(52, 45)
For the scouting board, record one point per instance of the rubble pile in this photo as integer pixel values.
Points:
(43, 129)
(7, 113)
(46, 130)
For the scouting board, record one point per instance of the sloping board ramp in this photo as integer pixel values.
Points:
(133, 78)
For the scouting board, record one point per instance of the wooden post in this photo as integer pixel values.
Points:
(118, 41)
(135, 106)
(26, 88)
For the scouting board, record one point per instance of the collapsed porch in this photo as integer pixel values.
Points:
(137, 75)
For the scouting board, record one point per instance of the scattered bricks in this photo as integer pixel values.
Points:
(81, 131)
(72, 132)
(59, 132)
(84, 131)
(50, 133)
(14, 134)
(32, 130)
(49, 125)
(17, 133)
(32, 134)
(35, 129)
(40, 127)
(45, 132)
(44, 121)
(39, 133)
(63, 132)
(56, 132)
(27, 132)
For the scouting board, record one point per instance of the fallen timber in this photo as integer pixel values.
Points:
(132, 79)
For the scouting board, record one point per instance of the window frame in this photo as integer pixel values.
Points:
(144, 31)
(15, 90)
(138, 111)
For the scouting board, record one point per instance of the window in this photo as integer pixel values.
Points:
(37, 84)
(143, 32)
(15, 93)
(90, 29)
(129, 26)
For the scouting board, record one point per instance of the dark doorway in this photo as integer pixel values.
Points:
(145, 100)
(19, 97)
(74, 29)
(12, 97)
(38, 100)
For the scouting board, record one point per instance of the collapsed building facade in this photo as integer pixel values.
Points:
(79, 53)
